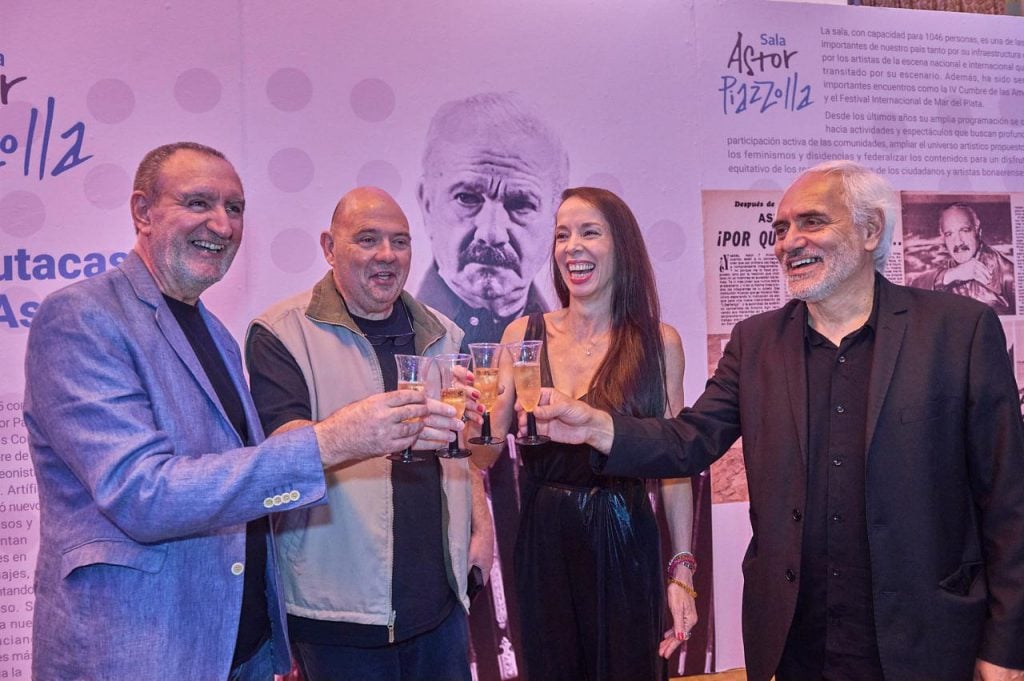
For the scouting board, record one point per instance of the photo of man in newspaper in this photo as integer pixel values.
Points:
(962, 245)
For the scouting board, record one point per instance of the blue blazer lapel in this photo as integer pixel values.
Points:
(792, 343)
(892, 326)
(149, 293)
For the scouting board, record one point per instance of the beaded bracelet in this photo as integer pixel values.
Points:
(685, 587)
(684, 558)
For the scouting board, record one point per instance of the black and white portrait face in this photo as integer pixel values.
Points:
(491, 182)
(959, 229)
(962, 244)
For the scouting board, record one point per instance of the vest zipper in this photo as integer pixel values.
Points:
(391, 627)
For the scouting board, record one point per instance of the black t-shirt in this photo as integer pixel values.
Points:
(254, 622)
(421, 594)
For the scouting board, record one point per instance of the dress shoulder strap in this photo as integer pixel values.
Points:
(535, 327)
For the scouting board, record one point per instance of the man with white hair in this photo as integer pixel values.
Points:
(884, 454)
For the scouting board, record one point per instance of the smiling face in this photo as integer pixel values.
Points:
(584, 250)
(959, 233)
(369, 250)
(821, 251)
(189, 226)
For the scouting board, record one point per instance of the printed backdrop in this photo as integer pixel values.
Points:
(672, 104)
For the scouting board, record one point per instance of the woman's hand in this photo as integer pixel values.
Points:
(464, 381)
(683, 607)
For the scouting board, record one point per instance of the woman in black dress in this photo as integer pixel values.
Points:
(587, 565)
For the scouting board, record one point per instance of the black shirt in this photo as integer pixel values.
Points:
(254, 622)
(833, 633)
(421, 594)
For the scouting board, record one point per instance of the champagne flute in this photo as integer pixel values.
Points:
(453, 395)
(412, 375)
(526, 371)
(485, 379)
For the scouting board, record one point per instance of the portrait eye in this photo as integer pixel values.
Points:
(198, 204)
(401, 242)
(235, 208)
(561, 236)
(780, 231)
(520, 204)
(469, 199)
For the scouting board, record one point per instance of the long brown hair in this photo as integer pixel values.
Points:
(631, 378)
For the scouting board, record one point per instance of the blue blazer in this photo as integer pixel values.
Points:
(145, 489)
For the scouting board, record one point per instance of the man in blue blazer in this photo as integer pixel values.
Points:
(884, 455)
(155, 559)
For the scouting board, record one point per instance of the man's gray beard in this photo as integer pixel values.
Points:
(844, 264)
(816, 294)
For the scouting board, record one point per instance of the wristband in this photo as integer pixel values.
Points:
(684, 558)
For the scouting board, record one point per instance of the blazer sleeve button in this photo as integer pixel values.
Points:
(790, 575)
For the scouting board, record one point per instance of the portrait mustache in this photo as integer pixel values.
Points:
(506, 256)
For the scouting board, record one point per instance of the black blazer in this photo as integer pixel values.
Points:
(944, 469)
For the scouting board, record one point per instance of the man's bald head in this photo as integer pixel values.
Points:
(363, 201)
(369, 250)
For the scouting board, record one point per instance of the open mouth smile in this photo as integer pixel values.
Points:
(580, 271)
(208, 246)
(798, 264)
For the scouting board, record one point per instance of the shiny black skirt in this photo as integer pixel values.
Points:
(589, 582)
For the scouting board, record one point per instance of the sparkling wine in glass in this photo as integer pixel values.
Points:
(412, 375)
(526, 372)
(485, 379)
(453, 395)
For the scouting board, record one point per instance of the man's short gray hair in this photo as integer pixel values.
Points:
(865, 192)
(152, 162)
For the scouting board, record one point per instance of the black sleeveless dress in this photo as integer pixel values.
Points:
(587, 566)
